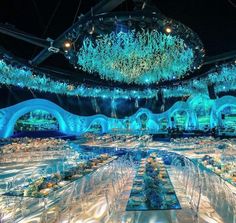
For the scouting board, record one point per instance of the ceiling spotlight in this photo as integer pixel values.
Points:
(91, 30)
(168, 29)
(67, 44)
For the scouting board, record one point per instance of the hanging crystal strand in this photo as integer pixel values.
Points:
(95, 105)
(136, 103)
(113, 108)
(163, 101)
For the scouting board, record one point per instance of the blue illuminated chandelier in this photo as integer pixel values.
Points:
(136, 48)
(147, 49)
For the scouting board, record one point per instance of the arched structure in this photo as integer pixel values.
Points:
(163, 124)
(102, 121)
(219, 105)
(36, 120)
(74, 124)
(178, 106)
(177, 115)
(13, 113)
(200, 107)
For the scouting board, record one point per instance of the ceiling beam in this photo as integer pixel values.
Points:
(11, 31)
(220, 57)
(101, 7)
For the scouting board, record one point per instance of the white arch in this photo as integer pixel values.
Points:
(18, 110)
(100, 120)
(186, 113)
(218, 106)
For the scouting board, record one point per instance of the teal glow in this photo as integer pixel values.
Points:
(142, 120)
(25, 78)
(223, 78)
(163, 124)
(202, 106)
(36, 120)
(230, 117)
(180, 118)
(136, 57)
(13, 113)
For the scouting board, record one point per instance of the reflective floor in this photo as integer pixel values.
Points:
(102, 195)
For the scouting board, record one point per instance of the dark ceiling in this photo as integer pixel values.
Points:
(213, 20)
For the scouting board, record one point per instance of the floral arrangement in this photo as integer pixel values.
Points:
(152, 188)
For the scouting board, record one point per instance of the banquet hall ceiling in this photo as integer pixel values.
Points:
(213, 20)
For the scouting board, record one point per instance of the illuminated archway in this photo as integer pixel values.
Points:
(139, 119)
(163, 124)
(201, 106)
(74, 124)
(143, 119)
(227, 117)
(37, 120)
(180, 119)
(102, 122)
(218, 106)
(13, 113)
(117, 125)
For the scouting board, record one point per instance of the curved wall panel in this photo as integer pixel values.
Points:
(75, 124)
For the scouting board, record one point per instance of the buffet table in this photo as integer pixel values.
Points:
(225, 170)
(27, 149)
(45, 185)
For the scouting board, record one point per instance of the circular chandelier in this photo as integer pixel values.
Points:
(138, 48)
